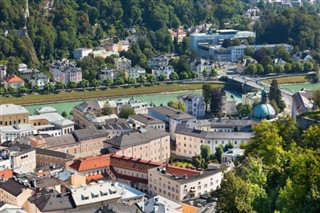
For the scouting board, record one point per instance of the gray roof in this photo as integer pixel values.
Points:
(88, 134)
(46, 109)
(189, 179)
(54, 153)
(121, 207)
(9, 109)
(90, 105)
(60, 140)
(117, 124)
(171, 113)
(222, 123)
(183, 130)
(47, 201)
(146, 119)
(13, 187)
(136, 138)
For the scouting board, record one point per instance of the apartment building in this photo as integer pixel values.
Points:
(116, 127)
(195, 105)
(107, 74)
(23, 159)
(163, 70)
(179, 184)
(189, 140)
(15, 193)
(11, 114)
(46, 157)
(147, 144)
(158, 61)
(135, 72)
(170, 116)
(122, 63)
(66, 72)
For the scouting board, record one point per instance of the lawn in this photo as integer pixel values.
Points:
(288, 80)
(108, 93)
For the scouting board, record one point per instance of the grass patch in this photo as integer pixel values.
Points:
(108, 93)
(288, 80)
(182, 164)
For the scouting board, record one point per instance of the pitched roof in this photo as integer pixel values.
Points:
(102, 161)
(171, 113)
(136, 138)
(88, 134)
(47, 201)
(146, 119)
(14, 79)
(53, 153)
(60, 140)
(13, 187)
(9, 109)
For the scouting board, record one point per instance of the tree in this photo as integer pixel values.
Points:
(244, 110)
(131, 81)
(60, 85)
(179, 105)
(95, 83)
(23, 89)
(213, 73)
(205, 73)
(142, 80)
(219, 152)
(205, 152)
(308, 66)
(288, 67)
(275, 94)
(194, 75)
(107, 110)
(151, 78)
(297, 67)
(206, 93)
(198, 161)
(126, 112)
(2, 91)
(48, 87)
(162, 77)
(72, 85)
(107, 82)
(269, 68)
(183, 75)
(216, 102)
(84, 83)
(275, 106)
(251, 69)
(316, 97)
(278, 69)
(64, 114)
(260, 69)
(174, 76)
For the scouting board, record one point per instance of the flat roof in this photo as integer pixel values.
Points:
(146, 119)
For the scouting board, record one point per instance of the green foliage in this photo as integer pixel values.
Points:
(316, 98)
(126, 112)
(244, 110)
(174, 76)
(216, 102)
(179, 105)
(64, 114)
(205, 152)
(107, 110)
(275, 94)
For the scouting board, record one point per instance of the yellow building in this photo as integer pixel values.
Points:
(11, 114)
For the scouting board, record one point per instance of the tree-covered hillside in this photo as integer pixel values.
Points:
(56, 30)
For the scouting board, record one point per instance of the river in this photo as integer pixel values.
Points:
(157, 99)
(296, 87)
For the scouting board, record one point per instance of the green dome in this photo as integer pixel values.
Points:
(263, 111)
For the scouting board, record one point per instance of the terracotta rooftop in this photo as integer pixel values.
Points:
(182, 171)
(90, 163)
(96, 178)
(13, 79)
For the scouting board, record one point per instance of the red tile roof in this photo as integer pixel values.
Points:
(130, 178)
(102, 161)
(6, 174)
(133, 164)
(95, 178)
(13, 79)
(182, 171)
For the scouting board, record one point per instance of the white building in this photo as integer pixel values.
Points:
(66, 72)
(158, 61)
(229, 105)
(217, 36)
(40, 80)
(22, 68)
(122, 63)
(23, 160)
(107, 74)
(95, 195)
(231, 155)
(179, 184)
(139, 106)
(161, 204)
(301, 103)
(195, 105)
(135, 72)
(203, 64)
(81, 52)
(10, 133)
(165, 70)
(189, 140)
(3, 72)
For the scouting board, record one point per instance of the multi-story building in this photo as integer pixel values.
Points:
(46, 157)
(231, 155)
(108, 74)
(215, 37)
(203, 64)
(139, 106)
(122, 63)
(189, 140)
(13, 81)
(16, 131)
(15, 193)
(3, 72)
(146, 144)
(221, 125)
(146, 121)
(66, 72)
(23, 160)
(11, 114)
(135, 72)
(158, 61)
(301, 103)
(164, 70)
(40, 80)
(170, 116)
(81, 52)
(195, 105)
(116, 127)
(179, 184)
